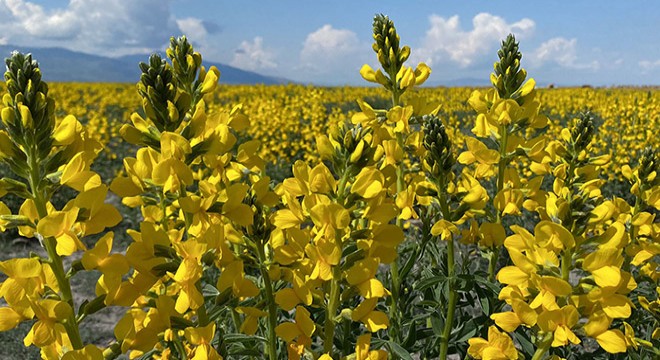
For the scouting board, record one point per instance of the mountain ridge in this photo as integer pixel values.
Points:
(63, 65)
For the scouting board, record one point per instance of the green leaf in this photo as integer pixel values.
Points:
(466, 331)
(429, 282)
(241, 338)
(399, 351)
(148, 355)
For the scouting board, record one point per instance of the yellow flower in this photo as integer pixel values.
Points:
(288, 298)
(612, 341)
(303, 327)
(324, 255)
(50, 313)
(499, 346)
(251, 322)
(201, 338)
(372, 319)
(233, 277)
(98, 215)
(362, 351)
(560, 322)
(363, 275)
(60, 225)
(89, 352)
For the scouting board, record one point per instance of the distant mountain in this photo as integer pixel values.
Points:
(461, 82)
(62, 65)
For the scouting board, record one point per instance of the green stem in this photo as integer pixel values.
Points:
(543, 347)
(54, 260)
(236, 319)
(394, 268)
(566, 264)
(333, 301)
(453, 298)
(501, 168)
(271, 345)
(451, 273)
(331, 312)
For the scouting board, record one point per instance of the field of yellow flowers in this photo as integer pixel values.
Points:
(190, 220)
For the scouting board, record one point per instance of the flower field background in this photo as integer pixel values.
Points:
(193, 220)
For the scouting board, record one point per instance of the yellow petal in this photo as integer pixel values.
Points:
(9, 318)
(612, 341)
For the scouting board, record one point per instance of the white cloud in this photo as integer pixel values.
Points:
(446, 39)
(252, 56)
(649, 65)
(326, 45)
(193, 28)
(562, 52)
(107, 27)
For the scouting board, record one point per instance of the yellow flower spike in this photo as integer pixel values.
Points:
(99, 258)
(498, 346)
(362, 275)
(65, 133)
(372, 319)
(59, 224)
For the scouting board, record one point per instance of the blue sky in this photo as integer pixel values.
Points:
(326, 42)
